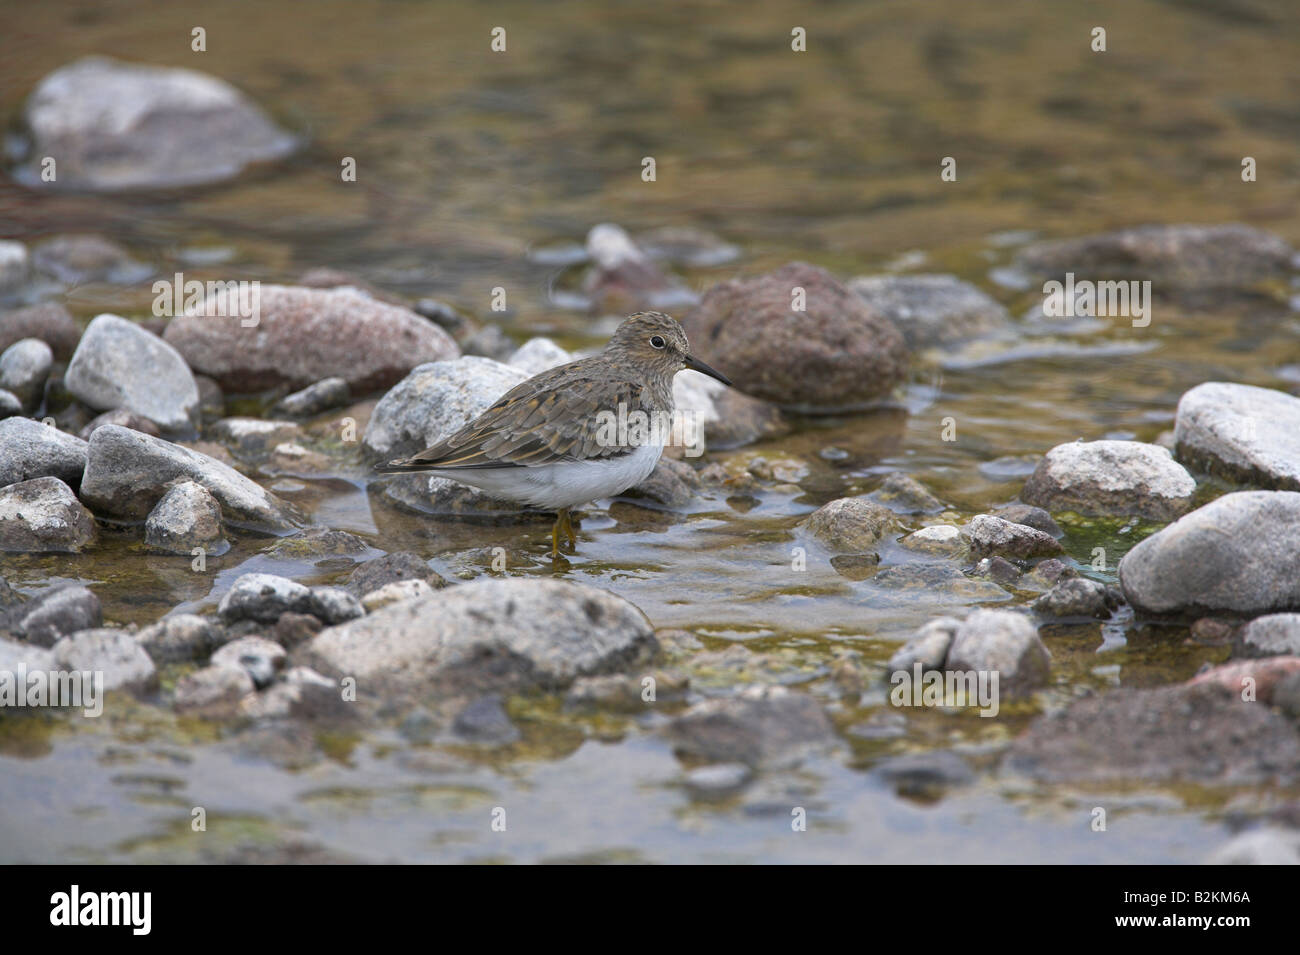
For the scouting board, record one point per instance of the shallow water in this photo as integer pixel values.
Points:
(467, 162)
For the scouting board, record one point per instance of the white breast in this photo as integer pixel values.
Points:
(564, 483)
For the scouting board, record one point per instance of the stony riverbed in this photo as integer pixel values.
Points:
(919, 470)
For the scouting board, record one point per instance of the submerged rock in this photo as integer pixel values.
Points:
(1203, 733)
(488, 636)
(1185, 256)
(993, 536)
(324, 395)
(54, 613)
(1077, 597)
(114, 653)
(29, 449)
(1111, 477)
(1237, 553)
(185, 518)
(851, 525)
(836, 354)
(24, 366)
(117, 126)
(1241, 433)
(120, 365)
(761, 726)
(128, 472)
(933, 310)
(903, 494)
(43, 516)
(82, 259)
(301, 335)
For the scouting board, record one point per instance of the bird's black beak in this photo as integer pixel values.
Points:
(695, 364)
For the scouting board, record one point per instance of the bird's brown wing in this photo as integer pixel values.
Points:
(554, 416)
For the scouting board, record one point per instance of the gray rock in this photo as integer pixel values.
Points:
(316, 543)
(395, 592)
(837, 354)
(1111, 477)
(433, 401)
(10, 404)
(43, 516)
(427, 494)
(120, 365)
(687, 246)
(736, 419)
(624, 279)
(179, 638)
(266, 597)
(83, 259)
(14, 264)
(262, 659)
(761, 726)
(391, 568)
(489, 342)
(14, 656)
(625, 692)
(903, 494)
(1003, 641)
(122, 418)
(672, 485)
(1270, 635)
(303, 335)
(850, 524)
(999, 570)
(485, 720)
(322, 396)
(993, 536)
(186, 517)
(1203, 734)
(1237, 553)
(302, 693)
(119, 126)
(939, 540)
(933, 310)
(1184, 256)
(128, 472)
(48, 321)
(488, 636)
(1241, 433)
(24, 366)
(928, 646)
(29, 449)
(115, 653)
(1076, 597)
(1031, 516)
(1271, 845)
(537, 355)
(55, 613)
(717, 781)
(254, 439)
(213, 692)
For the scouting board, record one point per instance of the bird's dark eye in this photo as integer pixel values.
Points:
(656, 341)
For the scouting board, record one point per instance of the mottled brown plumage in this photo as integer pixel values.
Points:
(531, 445)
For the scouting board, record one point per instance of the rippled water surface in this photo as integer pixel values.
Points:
(467, 163)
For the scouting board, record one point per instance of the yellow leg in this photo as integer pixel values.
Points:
(555, 536)
(568, 527)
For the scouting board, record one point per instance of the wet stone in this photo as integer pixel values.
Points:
(764, 726)
(266, 597)
(30, 449)
(903, 494)
(1077, 597)
(24, 366)
(54, 613)
(485, 721)
(391, 568)
(940, 540)
(185, 518)
(122, 418)
(1000, 640)
(1241, 433)
(1111, 477)
(993, 536)
(262, 659)
(934, 310)
(925, 776)
(324, 395)
(213, 692)
(1030, 516)
(82, 259)
(43, 516)
(115, 653)
(48, 321)
(395, 592)
(1269, 636)
(179, 638)
(851, 525)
